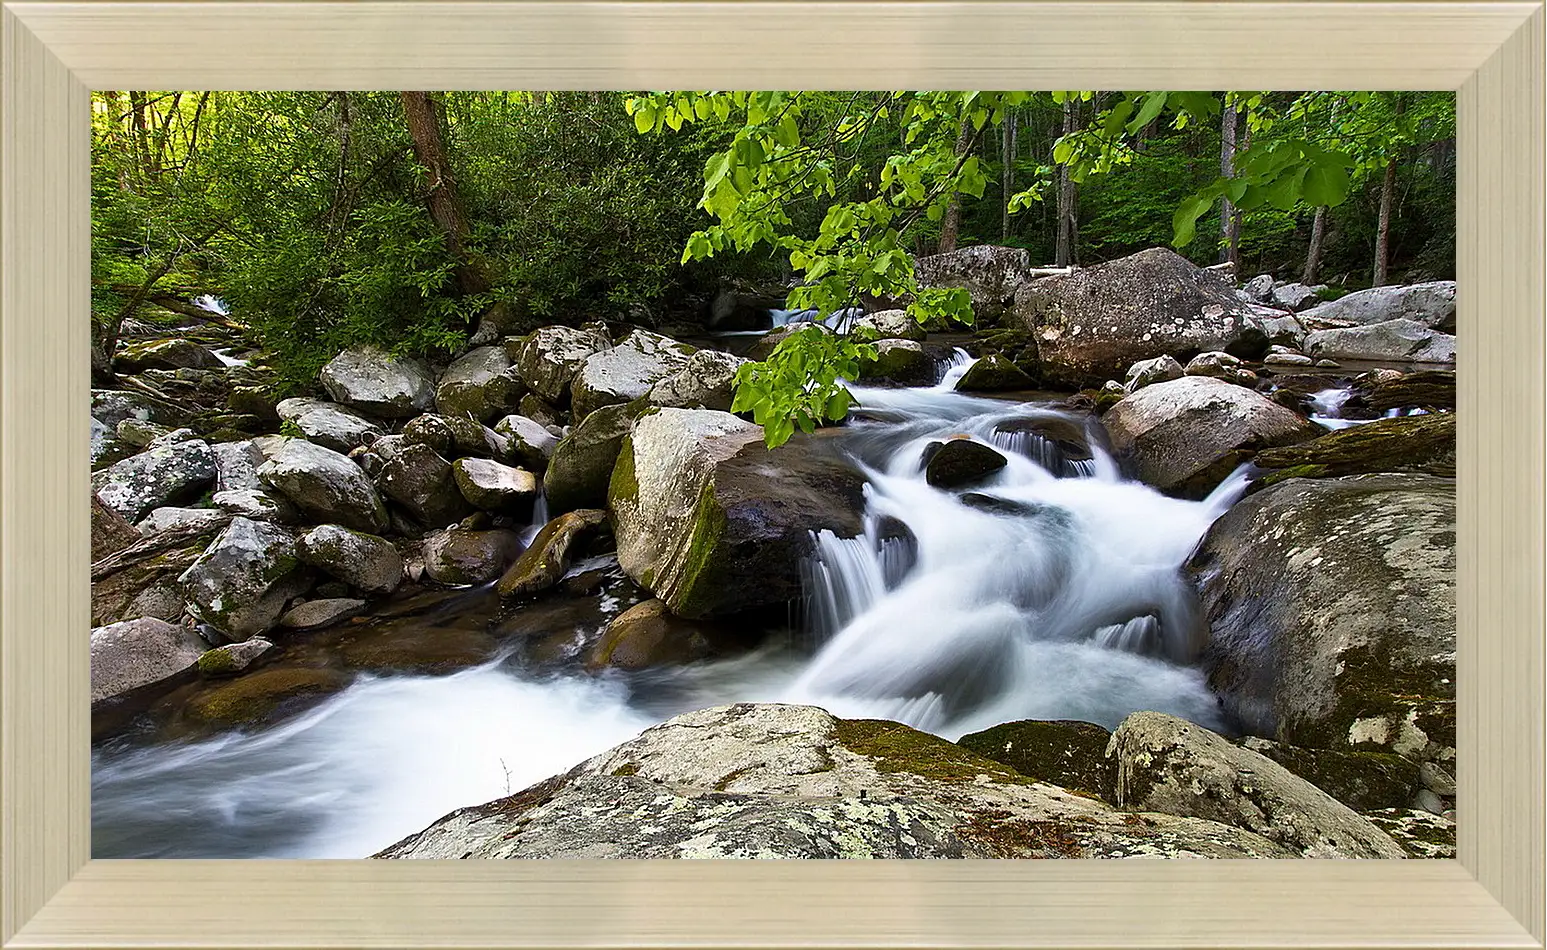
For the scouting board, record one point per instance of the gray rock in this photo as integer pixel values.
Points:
(1437, 780)
(172, 438)
(1094, 323)
(1295, 297)
(236, 466)
(1393, 340)
(112, 406)
(706, 381)
(957, 463)
(256, 504)
(459, 557)
(432, 430)
(551, 356)
(1186, 435)
(136, 653)
(626, 371)
(901, 362)
(1420, 833)
(315, 614)
(372, 380)
(424, 484)
(1432, 304)
(888, 325)
(109, 531)
(1218, 364)
(527, 441)
(1333, 614)
(163, 519)
(328, 424)
(165, 354)
(233, 658)
(139, 433)
(712, 521)
(1287, 359)
(581, 467)
(480, 384)
(991, 275)
(363, 561)
(769, 781)
(241, 582)
(324, 485)
(1147, 372)
(1170, 765)
(1259, 289)
(493, 487)
(153, 479)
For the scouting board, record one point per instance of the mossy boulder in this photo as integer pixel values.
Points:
(459, 557)
(899, 362)
(647, 635)
(544, 562)
(156, 478)
(241, 583)
(324, 485)
(323, 612)
(1363, 781)
(109, 531)
(1426, 389)
(480, 384)
(1332, 609)
(1425, 443)
(625, 372)
(417, 478)
(490, 486)
(363, 561)
(582, 462)
(1420, 833)
(328, 424)
(958, 463)
(994, 373)
(261, 697)
(139, 653)
(549, 357)
(375, 381)
(713, 522)
(233, 658)
(1066, 753)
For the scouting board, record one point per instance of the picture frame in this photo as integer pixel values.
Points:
(52, 895)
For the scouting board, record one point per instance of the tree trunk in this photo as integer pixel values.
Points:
(950, 225)
(1313, 253)
(441, 189)
(1229, 218)
(1388, 190)
(137, 130)
(1007, 171)
(1063, 252)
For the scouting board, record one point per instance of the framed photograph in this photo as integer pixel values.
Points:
(936, 515)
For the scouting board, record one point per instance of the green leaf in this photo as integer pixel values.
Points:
(1325, 184)
(1184, 222)
(1153, 103)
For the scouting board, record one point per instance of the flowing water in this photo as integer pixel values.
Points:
(1051, 590)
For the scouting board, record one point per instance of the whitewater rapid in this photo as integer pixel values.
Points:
(1057, 593)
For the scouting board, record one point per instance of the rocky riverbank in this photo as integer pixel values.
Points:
(580, 502)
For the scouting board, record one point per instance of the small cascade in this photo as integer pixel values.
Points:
(1140, 635)
(212, 303)
(951, 369)
(540, 517)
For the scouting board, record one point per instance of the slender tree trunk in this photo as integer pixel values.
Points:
(1229, 218)
(441, 189)
(1313, 253)
(137, 127)
(1007, 161)
(1063, 252)
(1388, 189)
(951, 223)
(163, 133)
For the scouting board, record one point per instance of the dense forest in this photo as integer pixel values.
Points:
(773, 474)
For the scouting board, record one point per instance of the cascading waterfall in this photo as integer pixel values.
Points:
(1053, 590)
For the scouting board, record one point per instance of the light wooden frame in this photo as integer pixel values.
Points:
(52, 895)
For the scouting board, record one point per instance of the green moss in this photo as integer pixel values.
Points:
(627, 769)
(899, 748)
(1424, 443)
(1285, 474)
(216, 663)
(695, 577)
(624, 484)
(1065, 753)
(252, 699)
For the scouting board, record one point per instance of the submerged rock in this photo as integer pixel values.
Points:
(142, 483)
(370, 379)
(1332, 606)
(241, 583)
(768, 781)
(324, 485)
(1170, 765)
(543, 564)
(315, 614)
(1184, 436)
(713, 522)
(260, 697)
(137, 653)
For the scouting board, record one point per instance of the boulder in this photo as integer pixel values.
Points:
(257, 505)
(316, 614)
(543, 564)
(1259, 289)
(887, 325)
(1092, 324)
(236, 466)
(626, 371)
(713, 522)
(899, 362)
(164, 519)
(1287, 359)
(1394, 341)
(136, 653)
(480, 384)
(647, 635)
(233, 658)
(1361, 780)
(1427, 389)
(153, 479)
(375, 381)
(1420, 833)
(164, 354)
(957, 463)
(1332, 609)
(1184, 436)
(550, 357)
(1161, 369)
(240, 584)
(328, 424)
(1066, 753)
(771, 781)
(432, 430)
(994, 373)
(526, 441)
(261, 697)
(1218, 364)
(490, 486)
(363, 561)
(458, 557)
(424, 484)
(112, 406)
(990, 274)
(141, 579)
(1295, 297)
(138, 433)
(324, 485)
(582, 462)
(1432, 304)
(542, 412)
(109, 531)
(705, 381)
(1425, 443)
(1169, 765)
